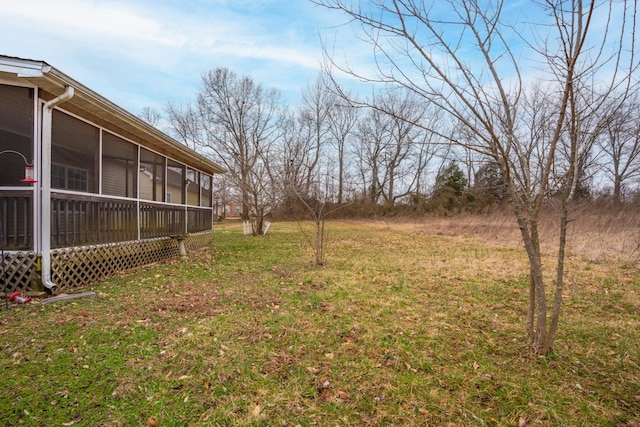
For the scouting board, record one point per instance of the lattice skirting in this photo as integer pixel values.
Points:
(196, 241)
(80, 266)
(19, 271)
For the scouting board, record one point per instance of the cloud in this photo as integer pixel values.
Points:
(133, 50)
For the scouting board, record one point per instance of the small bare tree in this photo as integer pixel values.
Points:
(317, 209)
(318, 206)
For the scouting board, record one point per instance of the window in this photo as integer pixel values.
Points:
(193, 187)
(175, 181)
(16, 132)
(74, 148)
(69, 178)
(152, 175)
(58, 176)
(77, 179)
(119, 166)
(205, 191)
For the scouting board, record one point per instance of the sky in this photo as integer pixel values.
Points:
(146, 53)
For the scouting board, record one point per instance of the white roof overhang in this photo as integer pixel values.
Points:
(90, 105)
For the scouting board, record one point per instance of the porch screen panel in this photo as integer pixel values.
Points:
(119, 166)
(16, 133)
(74, 154)
(205, 191)
(175, 182)
(152, 176)
(193, 187)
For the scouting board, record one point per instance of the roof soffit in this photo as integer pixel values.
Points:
(88, 104)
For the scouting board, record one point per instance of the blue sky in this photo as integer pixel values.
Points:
(140, 53)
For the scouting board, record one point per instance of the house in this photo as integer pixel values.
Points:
(229, 209)
(86, 188)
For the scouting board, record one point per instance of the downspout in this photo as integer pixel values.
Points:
(45, 215)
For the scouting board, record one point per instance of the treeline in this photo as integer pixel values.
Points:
(380, 157)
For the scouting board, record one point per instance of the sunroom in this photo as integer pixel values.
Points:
(88, 189)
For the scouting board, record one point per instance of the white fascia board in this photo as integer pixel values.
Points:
(23, 67)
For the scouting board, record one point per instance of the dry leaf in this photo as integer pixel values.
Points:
(256, 411)
(152, 422)
(343, 395)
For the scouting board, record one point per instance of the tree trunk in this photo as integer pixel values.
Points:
(617, 190)
(537, 314)
(562, 243)
(258, 228)
(245, 196)
(340, 177)
(319, 241)
(531, 309)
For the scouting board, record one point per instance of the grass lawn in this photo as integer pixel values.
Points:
(407, 324)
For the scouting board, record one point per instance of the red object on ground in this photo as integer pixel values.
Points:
(15, 297)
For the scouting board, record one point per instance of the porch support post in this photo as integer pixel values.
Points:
(182, 249)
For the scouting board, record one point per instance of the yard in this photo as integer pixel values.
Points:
(409, 323)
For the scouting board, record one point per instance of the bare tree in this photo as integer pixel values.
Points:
(317, 102)
(151, 116)
(238, 121)
(406, 112)
(186, 125)
(461, 56)
(312, 192)
(319, 210)
(622, 147)
(224, 193)
(393, 149)
(373, 135)
(342, 122)
(290, 169)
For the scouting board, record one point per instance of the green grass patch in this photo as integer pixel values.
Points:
(399, 328)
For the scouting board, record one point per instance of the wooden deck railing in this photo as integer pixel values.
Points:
(199, 219)
(84, 220)
(158, 220)
(16, 219)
